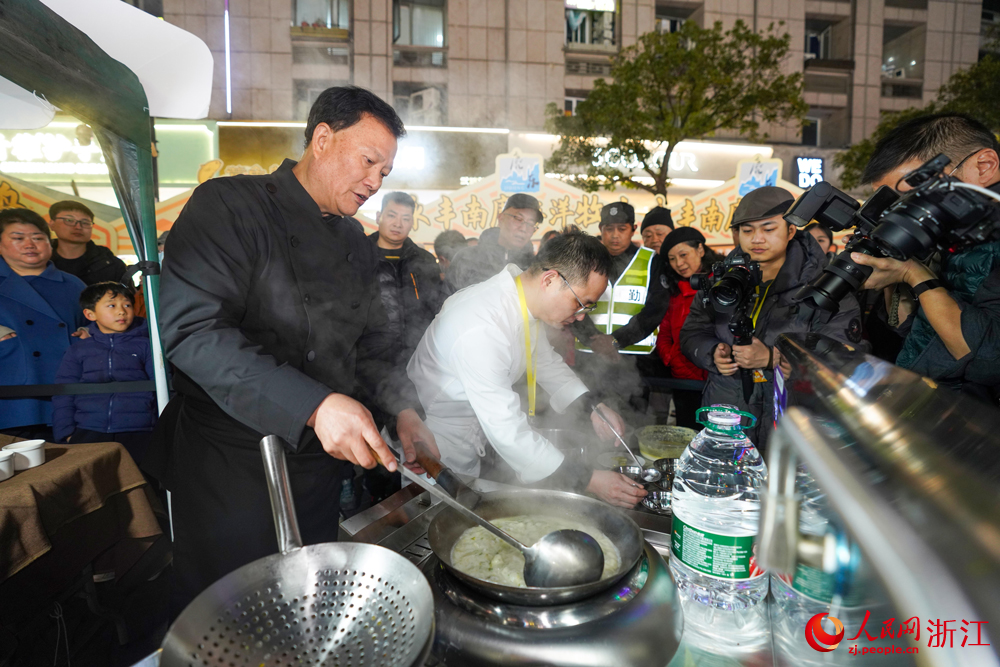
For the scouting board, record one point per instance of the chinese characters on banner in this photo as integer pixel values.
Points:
(475, 208)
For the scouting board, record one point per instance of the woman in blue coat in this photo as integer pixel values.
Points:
(39, 313)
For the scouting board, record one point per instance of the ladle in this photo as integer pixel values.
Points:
(648, 474)
(561, 558)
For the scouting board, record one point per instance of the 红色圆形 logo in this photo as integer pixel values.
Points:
(820, 639)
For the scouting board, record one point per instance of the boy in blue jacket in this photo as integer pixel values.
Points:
(118, 350)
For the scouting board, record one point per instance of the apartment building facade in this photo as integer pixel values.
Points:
(497, 63)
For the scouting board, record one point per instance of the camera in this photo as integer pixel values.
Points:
(731, 282)
(731, 286)
(940, 214)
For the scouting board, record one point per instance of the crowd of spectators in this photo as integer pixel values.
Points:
(66, 318)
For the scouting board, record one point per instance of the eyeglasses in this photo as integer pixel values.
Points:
(70, 222)
(962, 161)
(583, 308)
(522, 222)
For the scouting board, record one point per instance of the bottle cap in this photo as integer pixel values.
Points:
(724, 419)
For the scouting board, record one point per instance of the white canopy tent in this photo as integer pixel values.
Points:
(173, 67)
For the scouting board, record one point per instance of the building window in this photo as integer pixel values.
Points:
(817, 40)
(903, 52)
(418, 23)
(670, 18)
(810, 132)
(570, 104)
(322, 13)
(590, 27)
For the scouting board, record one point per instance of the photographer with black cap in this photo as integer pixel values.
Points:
(787, 262)
(951, 321)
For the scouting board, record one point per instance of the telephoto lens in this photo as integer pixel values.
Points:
(840, 278)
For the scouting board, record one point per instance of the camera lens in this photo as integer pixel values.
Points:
(729, 291)
(842, 277)
(905, 232)
(700, 281)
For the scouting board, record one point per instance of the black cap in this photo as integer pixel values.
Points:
(521, 200)
(617, 213)
(657, 216)
(765, 202)
(678, 236)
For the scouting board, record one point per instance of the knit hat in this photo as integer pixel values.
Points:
(678, 236)
(765, 202)
(657, 216)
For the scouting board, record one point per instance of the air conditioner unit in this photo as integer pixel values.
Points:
(425, 107)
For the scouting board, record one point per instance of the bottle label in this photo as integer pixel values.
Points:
(719, 556)
(819, 586)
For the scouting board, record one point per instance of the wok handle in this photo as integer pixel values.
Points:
(286, 524)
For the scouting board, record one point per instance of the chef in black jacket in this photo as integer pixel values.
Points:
(271, 316)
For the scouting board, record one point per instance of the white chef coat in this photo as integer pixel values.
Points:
(464, 370)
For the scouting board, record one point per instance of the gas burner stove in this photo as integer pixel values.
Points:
(534, 617)
(611, 628)
(635, 623)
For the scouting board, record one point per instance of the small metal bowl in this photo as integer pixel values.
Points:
(666, 467)
(632, 472)
(657, 501)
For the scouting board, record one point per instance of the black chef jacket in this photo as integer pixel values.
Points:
(267, 307)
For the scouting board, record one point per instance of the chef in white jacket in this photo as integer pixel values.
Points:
(475, 350)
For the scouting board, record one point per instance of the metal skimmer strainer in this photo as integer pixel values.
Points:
(338, 604)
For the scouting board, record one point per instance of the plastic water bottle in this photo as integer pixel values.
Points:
(810, 591)
(716, 507)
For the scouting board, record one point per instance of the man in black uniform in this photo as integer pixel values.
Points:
(272, 318)
(507, 243)
(412, 291)
(74, 252)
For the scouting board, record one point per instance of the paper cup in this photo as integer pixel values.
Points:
(6, 465)
(27, 454)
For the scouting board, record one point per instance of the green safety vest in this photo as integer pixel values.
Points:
(623, 300)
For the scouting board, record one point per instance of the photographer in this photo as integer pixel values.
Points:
(953, 323)
(787, 262)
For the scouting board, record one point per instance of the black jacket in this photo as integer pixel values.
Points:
(269, 306)
(474, 264)
(98, 262)
(705, 329)
(973, 280)
(412, 294)
(652, 313)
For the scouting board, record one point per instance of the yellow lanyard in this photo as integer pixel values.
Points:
(532, 362)
(760, 302)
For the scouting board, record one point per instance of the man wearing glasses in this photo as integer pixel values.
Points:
(489, 336)
(74, 252)
(507, 243)
(949, 317)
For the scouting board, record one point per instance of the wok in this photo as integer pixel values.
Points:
(448, 526)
